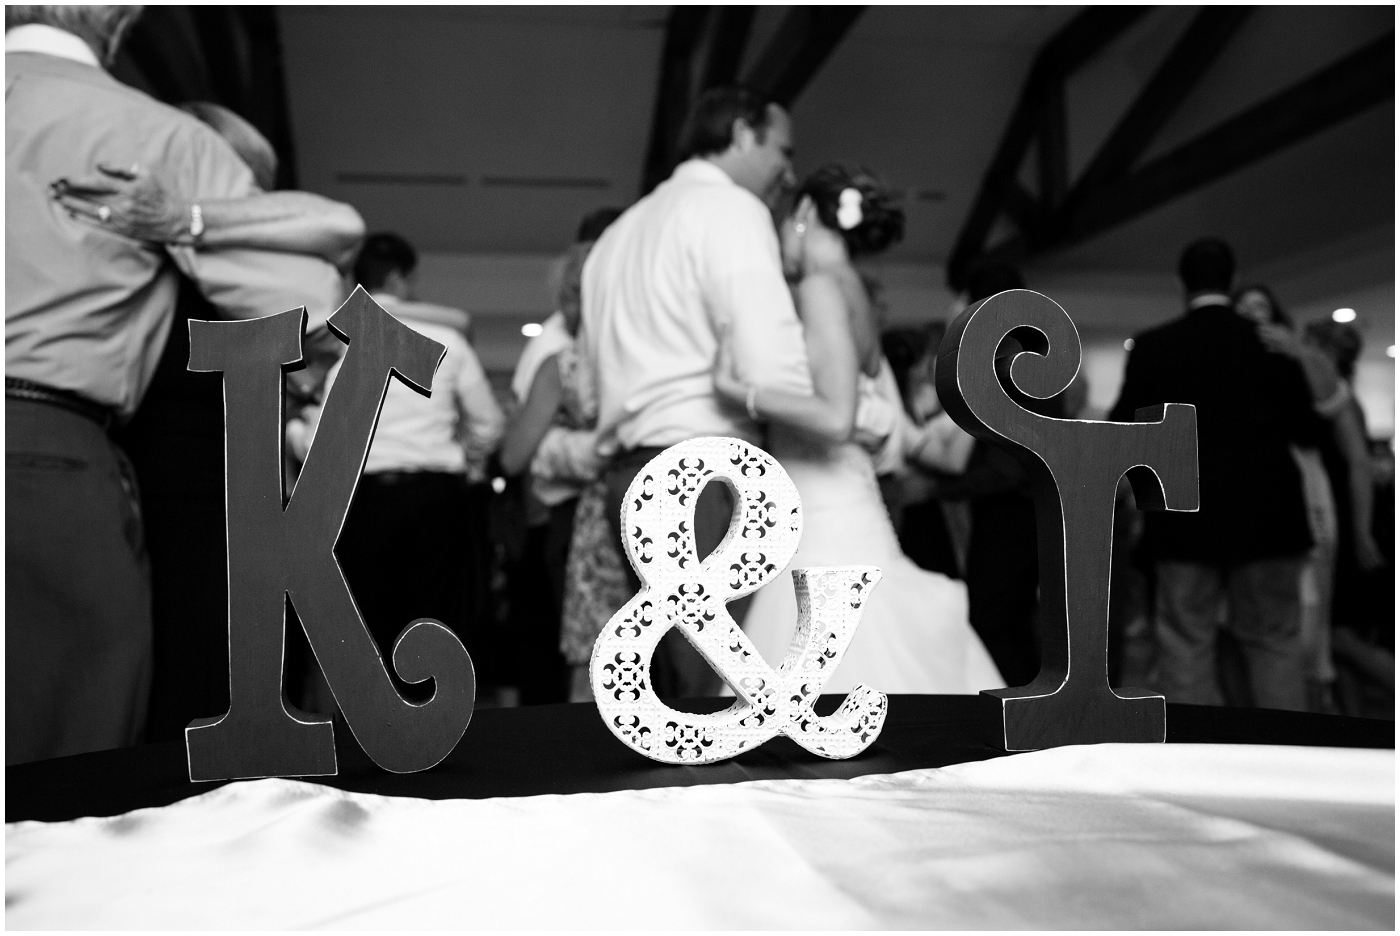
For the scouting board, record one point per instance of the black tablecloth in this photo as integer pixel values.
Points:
(567, 749)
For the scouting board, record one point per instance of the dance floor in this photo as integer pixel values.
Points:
(1245, 819)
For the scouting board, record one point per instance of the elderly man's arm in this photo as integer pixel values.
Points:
(299, 222)
(135, 203)
(244, 284)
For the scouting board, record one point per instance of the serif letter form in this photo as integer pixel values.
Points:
(1022, 343)
(281, 556)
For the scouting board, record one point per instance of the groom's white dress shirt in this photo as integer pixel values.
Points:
(696, 257)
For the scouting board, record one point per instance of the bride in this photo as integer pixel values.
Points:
(914, 635)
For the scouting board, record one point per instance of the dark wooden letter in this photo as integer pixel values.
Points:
(1075, 466)
(278, 554)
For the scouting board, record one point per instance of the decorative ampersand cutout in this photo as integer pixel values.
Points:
(679, 590)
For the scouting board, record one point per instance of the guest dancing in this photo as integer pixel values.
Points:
(933, 530)
(176, 439)
(1337, 488)
(696, 255)
(914, 634)
(1247, 546)
(408, 547)
(554, 435)
(1003, 555)
(87, 313)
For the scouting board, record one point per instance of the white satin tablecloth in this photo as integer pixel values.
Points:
(1103, 836)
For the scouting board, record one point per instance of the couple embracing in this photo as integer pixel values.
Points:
(701, 319)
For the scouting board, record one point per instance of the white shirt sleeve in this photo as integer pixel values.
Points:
(246, 284)
(301, 428)
(483, 423)
(549, 342)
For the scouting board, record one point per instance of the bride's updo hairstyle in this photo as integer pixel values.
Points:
(852, 202)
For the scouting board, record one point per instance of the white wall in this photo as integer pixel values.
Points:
(501, 291)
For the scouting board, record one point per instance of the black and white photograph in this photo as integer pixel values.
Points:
(592, 467)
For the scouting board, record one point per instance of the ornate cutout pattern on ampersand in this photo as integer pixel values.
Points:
(679, 590)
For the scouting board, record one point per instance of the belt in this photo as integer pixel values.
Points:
(647, 452)
(16, 388)
(401, 476)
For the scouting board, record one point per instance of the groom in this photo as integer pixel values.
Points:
(696, 257)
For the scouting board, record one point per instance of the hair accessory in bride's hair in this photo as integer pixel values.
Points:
(849, 213)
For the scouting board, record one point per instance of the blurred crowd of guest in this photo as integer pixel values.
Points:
(496, 511)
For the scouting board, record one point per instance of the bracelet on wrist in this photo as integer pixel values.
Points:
(196, 222)
(749, 403)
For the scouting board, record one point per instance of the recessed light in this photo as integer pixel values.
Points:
(1344, 315)
(531, 329)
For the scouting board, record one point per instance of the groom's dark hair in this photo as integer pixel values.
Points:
(383, 253)
(709, 127)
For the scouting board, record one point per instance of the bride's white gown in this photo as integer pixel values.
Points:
(914, 636)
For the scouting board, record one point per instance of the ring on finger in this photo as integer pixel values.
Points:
(104, 214)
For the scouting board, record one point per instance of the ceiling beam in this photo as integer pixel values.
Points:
(684, 28)
(163, 47)
(1080, 40)
(728, 38)
(229, 55)
(1358, 82)
(1024, 209)
(268, 100)
(710, 42)
(1161, 97)
(1350, 86)
(1052, 148)
(804, 40)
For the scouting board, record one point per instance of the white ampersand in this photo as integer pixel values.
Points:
(678, 590)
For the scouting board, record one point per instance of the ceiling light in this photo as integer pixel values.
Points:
(1128, 345)
(531, 329)
(1344, 315)
(1390, 351)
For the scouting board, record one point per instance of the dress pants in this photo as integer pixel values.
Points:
(1264, 614)
(537, 601)
(176, 445)
(77, 588)
(1003, 576)
(925, 538)
(677, 670)
(405, 555)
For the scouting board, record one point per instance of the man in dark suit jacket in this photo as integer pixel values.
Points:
(1246, 546)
